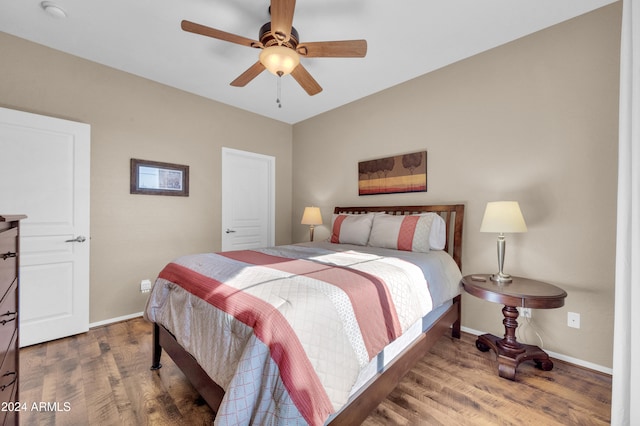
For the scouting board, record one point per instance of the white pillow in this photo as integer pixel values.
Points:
(419, 232)
(438, 234)
(351, 229)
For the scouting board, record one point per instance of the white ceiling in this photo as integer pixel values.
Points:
(406, 38)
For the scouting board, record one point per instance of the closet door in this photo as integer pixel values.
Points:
(248, 200)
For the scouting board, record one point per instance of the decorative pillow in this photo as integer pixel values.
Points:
(408, 232)
(351, 229)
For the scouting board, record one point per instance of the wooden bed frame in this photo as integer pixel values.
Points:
(383, 383)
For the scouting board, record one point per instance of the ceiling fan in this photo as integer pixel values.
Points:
(281, 47)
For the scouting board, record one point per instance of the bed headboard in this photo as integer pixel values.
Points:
(453, 215)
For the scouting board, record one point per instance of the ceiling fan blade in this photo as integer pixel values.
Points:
(282, 18)
(308, 83)
(192, 27)
(244, 78)
(334, 49)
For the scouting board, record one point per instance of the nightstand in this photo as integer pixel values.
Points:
(521, 292)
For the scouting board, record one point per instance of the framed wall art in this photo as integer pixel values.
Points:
(400, 173)
(156, 178)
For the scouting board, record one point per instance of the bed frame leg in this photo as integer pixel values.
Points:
(455, 328)
(157, 349)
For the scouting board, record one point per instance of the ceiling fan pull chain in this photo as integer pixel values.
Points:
(279, 92)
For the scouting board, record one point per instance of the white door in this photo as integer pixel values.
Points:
(44, 173)
(248, 200)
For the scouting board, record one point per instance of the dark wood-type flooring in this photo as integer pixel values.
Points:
(103, 378)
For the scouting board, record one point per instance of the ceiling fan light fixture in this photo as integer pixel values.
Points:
(279, 60)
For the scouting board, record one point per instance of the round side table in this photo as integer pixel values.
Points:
(521, 292)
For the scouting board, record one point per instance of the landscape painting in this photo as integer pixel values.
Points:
(400, 173)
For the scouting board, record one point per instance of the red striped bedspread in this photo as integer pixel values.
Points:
(286, 330)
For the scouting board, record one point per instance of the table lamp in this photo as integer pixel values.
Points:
(502, 217)
(311, 217)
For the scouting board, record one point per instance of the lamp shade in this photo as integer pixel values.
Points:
(503, 216)
(311, 216)
(279, 60)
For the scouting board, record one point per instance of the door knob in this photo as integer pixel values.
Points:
(229, 231)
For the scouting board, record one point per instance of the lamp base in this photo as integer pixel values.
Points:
(501, 278)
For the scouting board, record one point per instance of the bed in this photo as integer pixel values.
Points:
(267, 336)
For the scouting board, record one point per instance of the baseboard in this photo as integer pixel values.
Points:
(561, 357)
(117, 319)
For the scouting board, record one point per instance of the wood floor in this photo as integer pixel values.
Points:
(103, 378)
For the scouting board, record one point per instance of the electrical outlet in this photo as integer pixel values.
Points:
(525, 312)
(573, 320)
(145, 286)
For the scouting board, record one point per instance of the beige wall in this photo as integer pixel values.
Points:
(133, 236)
(535, 121)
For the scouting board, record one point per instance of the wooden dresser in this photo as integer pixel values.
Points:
(9, 232)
